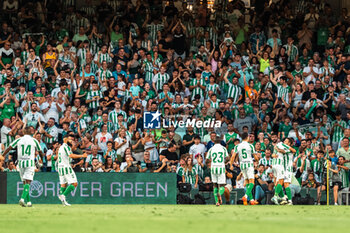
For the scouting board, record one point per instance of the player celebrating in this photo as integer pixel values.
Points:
(217, 155)
(278, 169)
(27, 146)
(246, 151)
(288, 171)
(65, 171)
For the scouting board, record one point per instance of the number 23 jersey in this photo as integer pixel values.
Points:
(217, 155)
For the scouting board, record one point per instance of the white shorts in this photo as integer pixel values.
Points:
(288, 177)
(26, 173)
(70, 178)
(278, 172)
(248, 173)
(229, 187)
(218, 178)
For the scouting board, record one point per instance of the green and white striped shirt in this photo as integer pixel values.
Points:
(293, 52)
(113, 116)
(266, 162)
(280, 157)
(217, 155)
(21, 96)
(200, 131)
(26, 147)
(63, 160)
(344, 178)
(104, 74)
(288, 161)
(245, 153)
(152, 30)
(54, 133)
(214, 105)
(212, 87)
(90, 96)
(316, 166)
(112, 154)
(110, 126)
(24, 56)
(82, 56)
(190, 176)
(148, 69)
(234, 91)
(103, 57)
(159, 79)
(282, 92)
(197, 90)
(338, 132)
(95, 44)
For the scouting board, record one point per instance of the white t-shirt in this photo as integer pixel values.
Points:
(102, 140)
(120, 86)
(53, 111)
(195, 149)
(49, 161)
(122, 149)
(5, 138)
(311, 77)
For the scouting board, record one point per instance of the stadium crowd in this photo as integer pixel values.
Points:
(281, 69)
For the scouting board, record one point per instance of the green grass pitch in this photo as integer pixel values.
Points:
(173, 218)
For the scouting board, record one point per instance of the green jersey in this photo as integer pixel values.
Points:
(180, 171)
(54, 135)
(197, 90)
(227, 137)
(338, 132)
(283, 92)
(295, 72)
(316, 166)
(190, 176)
(113, 116)
(284, 129)
(266, 162)
(234, 91)
(159, 79)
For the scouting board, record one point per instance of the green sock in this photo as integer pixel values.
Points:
(250, 187)
(28, 197)
(62, 189)
(69, 189)
(221, 190)
(25, 191)
(278, 189)
(281, 192)
(216, 195)
(289, 193)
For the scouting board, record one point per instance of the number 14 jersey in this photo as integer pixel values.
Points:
(26, 147)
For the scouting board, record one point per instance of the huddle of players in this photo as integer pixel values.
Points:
(282, 167)
(27, 146)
